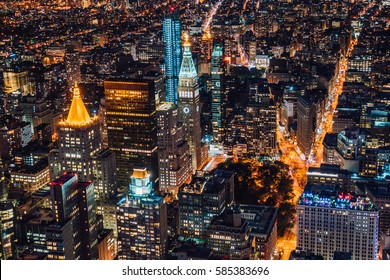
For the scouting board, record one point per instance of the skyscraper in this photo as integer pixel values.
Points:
(172, 51)
(104, 174)
(260, 122)
(72, 66)
(205, 53)
(217, 98)
(189, 107)
(7, 224)
(142, 221)
(74, 235)
(202, 200)
(132, 125)
(329, 221)
(228, 235)
(174, 159)
(78, 141)
(306, 124)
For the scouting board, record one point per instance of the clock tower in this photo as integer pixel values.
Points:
(189, 107)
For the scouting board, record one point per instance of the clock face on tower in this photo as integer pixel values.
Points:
(186, 110)
(217, 84)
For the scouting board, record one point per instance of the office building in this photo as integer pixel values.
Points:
(104, 174)
(142, 221)
(379, 193)
(16, 78)
(375, 162)
(228, 236)
(174, 159)
(350, 146)
(189, 107)
(199, 202)
(107, 245)
(329, 175)
(172, 51)
(73, 206)
(263, 229)
(132, 126)
(329, 148)
(8, 234)
(29, 179)
(330, 220)
(78, 141)
(261, 128)
(306, 124)
(217, 93)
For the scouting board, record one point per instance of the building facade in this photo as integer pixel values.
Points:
(174, 159)
(189, 107)
(335, 221)
(305, 124)
(142, 221)
(78, 141)
(132, 126)
(172, 51)
(217, 93)
(73, 206)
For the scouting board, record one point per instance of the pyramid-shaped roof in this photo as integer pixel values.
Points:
(78, 113)
(187, 69)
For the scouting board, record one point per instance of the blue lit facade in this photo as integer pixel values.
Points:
(172, 52)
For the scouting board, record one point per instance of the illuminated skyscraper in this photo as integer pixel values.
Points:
(306, 124)
(202, 200)
(189, 107)
(7, 224)
(172, 51)
(16, 78)
(142, 221)
(205, 53)
(260, 121)
(72, 66)
(132, 125)
(104, 174)
(78, 141)
(217, 98)
(74, 235)
(329, 221)
(174, 160)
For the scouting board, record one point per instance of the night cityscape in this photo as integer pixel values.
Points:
(195, 130)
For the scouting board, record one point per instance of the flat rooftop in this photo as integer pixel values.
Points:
(336, 200)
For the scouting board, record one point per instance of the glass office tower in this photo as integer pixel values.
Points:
(172, 51)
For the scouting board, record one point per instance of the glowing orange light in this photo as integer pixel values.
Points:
(78, 113)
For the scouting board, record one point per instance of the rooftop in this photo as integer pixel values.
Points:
(264, 220)
(78, 113)
(140, 173)
(336, 200)
(378, 190)
(330, 140)
(165, 106)
(300, 254)
(65, 177)
(327, 169)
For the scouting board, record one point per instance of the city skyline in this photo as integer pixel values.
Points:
(195, 130)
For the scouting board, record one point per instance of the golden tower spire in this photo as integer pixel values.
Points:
(186, 40)
(78, 113)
